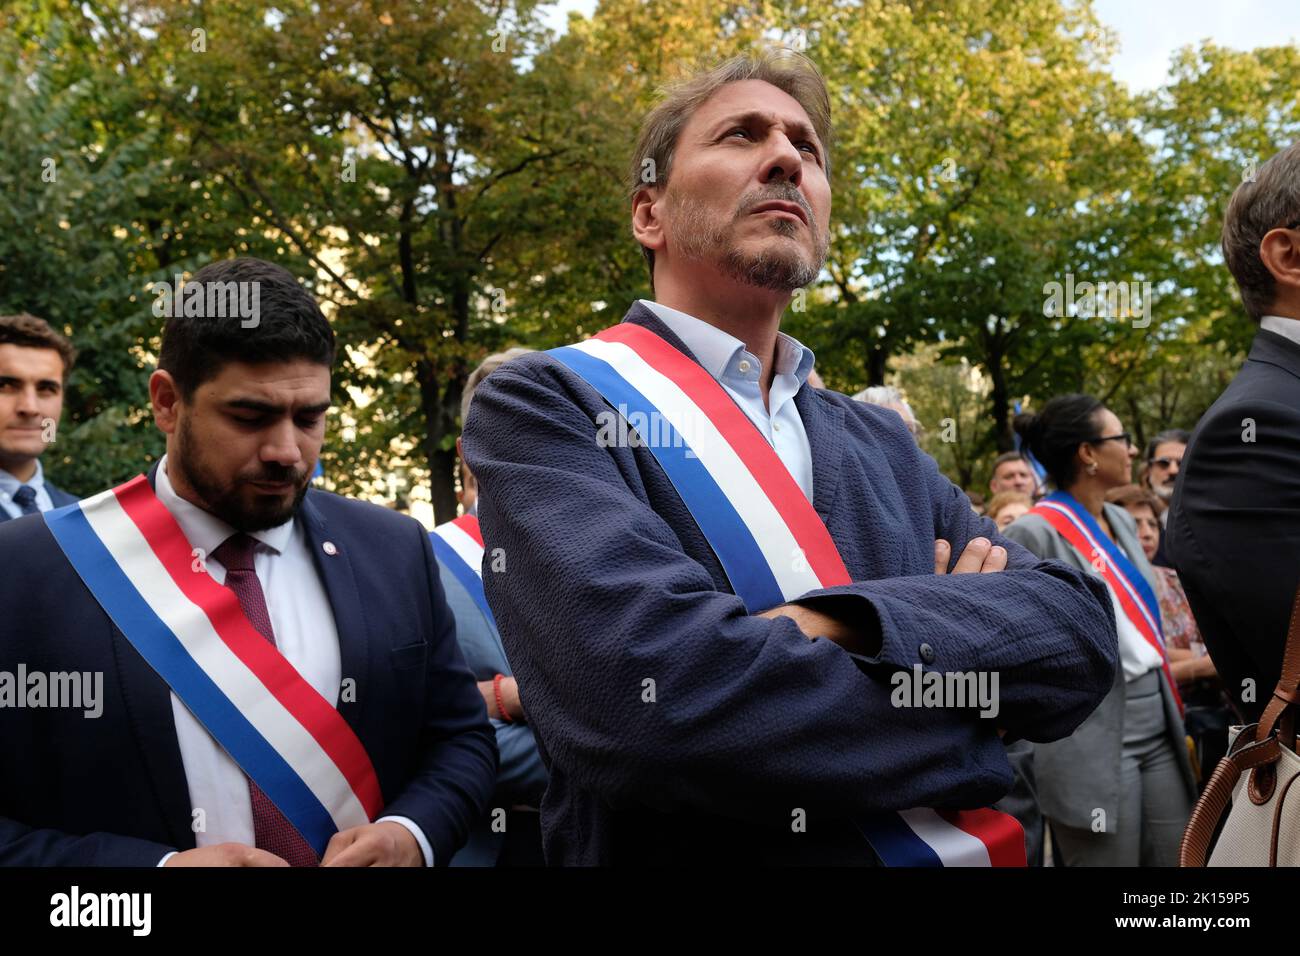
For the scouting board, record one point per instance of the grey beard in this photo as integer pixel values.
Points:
(782, 271)
(1161, 492)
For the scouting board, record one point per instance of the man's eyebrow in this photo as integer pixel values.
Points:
(270, 408)
(759, 118)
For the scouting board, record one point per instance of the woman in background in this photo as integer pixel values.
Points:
(1119, 790)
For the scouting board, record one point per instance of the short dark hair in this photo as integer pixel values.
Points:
(1261, 203)
(1180, 435)
(1005, 457)
(290, 325)
(33, 333)
(1054, 435)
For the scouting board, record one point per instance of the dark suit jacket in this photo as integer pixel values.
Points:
(112, 790)
(1234, 526)
(679, 728)
(58, 498)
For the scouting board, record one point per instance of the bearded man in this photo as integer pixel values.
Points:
(718, 613)
(275, 669)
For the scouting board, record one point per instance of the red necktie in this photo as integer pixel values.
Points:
(271, 828)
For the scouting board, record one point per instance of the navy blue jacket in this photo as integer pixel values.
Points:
(609, 585)
(112, 790)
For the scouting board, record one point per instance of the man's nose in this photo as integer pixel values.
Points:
(27, 402)
(785, 162)
(280, 445)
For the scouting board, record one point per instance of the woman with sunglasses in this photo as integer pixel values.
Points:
(1119, 790)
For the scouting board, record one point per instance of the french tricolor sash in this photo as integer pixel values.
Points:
(135, 560)
(1075, 524)
(768, 537)
(458, 544)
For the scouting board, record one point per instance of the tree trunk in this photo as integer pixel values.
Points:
(441, 403)
(877, 365)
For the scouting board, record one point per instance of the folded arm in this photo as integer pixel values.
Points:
(645, 682)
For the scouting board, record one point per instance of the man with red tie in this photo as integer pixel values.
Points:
(280, 676)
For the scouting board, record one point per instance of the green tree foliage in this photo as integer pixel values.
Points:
(449, 179)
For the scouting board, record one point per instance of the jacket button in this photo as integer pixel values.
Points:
(927, 653)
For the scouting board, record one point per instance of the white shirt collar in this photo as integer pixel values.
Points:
(206, 531)
(716, 349)
(9, 484)
(1280, 325)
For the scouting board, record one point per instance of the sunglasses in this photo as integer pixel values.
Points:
(1125, 437)
(1165, 462)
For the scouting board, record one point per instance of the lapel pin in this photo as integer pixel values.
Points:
(329, 548)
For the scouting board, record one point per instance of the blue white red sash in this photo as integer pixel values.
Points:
(768, 537)
(137, 563)
(1075, 524)
(458, 544)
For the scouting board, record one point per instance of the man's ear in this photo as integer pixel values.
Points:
(647, 221)
(1280, 252)
(164, 396)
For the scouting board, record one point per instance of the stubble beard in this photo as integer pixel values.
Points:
(782, 267)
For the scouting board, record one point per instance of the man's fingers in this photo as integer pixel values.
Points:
(942, 554)
(972, 558)
(252, 856)
(338, 843)
(360, 853)
(996, 560)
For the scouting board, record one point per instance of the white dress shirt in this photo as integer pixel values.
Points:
(305, 634)
(739, 371)
(1136, 655)
(1287, 328)
(9, 484)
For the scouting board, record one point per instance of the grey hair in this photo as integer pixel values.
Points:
(881, 395)
(1269, 199)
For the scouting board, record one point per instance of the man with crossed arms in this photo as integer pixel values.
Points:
(677, 726)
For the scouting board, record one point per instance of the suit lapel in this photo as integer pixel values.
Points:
(334, 565)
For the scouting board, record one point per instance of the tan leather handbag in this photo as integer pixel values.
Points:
(1257, 776)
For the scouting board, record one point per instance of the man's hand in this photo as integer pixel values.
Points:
(226, 854)
(981, 556)
(374, 844)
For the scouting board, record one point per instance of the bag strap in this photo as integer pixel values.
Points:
(1246, 755)
(1287, 692)
(1255, 754)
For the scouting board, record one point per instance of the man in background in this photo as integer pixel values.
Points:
(1011, 472)
(34, 365)
(1234, 528)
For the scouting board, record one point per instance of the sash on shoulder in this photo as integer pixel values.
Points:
(135, 560)
(458, 544)
(768, 537)
(1073, 522)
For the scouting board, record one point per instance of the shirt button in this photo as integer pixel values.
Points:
(744, 365)
(927, 653)
(776, 427)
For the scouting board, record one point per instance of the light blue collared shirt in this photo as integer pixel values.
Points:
(9, 484)
(739, 371)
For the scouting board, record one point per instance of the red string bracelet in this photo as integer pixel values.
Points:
(501, 707)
